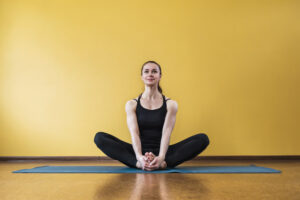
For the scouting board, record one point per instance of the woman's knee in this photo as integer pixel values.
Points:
(203, 138)
(99, 137)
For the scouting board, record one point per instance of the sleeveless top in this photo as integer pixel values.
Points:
(150, 124)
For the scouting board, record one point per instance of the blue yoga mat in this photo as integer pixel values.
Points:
(125, 169)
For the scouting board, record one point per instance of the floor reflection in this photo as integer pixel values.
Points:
(152, 186)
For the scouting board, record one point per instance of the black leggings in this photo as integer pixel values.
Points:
(176, 154)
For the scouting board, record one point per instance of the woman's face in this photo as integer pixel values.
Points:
(151, 74)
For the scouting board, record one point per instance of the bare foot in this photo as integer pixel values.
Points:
(138, 165)
(163, 165)
(151, 157)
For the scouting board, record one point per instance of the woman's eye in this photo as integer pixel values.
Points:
(148, 71)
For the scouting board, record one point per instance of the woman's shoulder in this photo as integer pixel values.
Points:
(171, 104)
(131, 104)
(168, 99)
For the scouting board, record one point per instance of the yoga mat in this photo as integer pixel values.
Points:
(125, 169)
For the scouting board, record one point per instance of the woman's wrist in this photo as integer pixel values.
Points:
(140, 156)
(161, 157)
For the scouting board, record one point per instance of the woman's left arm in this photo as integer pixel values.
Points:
(168, 128)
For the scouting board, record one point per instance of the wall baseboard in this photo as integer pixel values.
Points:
(105, 158)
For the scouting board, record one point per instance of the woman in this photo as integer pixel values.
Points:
(151, 119)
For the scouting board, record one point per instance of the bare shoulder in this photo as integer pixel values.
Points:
(131, 105)
(172, 105)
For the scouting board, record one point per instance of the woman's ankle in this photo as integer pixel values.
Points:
(138, 165)
(163, 165)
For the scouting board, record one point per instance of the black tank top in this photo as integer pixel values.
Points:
(150, 124)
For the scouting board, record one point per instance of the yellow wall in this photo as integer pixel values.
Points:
(68, 68)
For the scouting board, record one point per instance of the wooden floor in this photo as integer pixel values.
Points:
(283, 186)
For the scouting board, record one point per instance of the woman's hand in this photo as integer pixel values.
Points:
(142, 161)
(150, 156)
(156, 163)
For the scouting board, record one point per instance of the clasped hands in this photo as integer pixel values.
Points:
(151, 162)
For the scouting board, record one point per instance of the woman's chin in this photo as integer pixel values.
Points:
(150, 84)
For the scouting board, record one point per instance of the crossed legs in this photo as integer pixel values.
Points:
(176, 154)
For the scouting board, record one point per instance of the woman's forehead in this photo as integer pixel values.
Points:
(150, 66)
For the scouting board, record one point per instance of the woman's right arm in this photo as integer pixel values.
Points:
(133, 128)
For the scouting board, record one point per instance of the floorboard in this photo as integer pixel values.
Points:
(283, 186)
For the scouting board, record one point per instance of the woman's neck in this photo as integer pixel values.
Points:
(151, 93)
